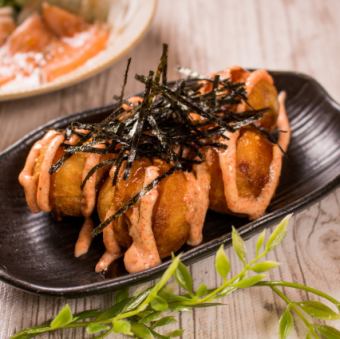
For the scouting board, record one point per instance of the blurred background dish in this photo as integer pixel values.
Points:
(127, 20)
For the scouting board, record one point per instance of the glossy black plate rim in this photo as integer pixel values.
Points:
(191, 255)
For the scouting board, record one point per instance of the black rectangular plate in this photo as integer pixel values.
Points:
(36, 252)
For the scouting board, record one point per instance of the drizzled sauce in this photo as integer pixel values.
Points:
(89, 191)
(44, 181)
(88, 201)
(112, 249)
(27, 177)
(143, 252)
(84, 239)
(197, 201)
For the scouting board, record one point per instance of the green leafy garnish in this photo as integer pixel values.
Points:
(143, 315)
(63, 318)
(286, 323)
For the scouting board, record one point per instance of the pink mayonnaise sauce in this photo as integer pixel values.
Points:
(27, 178)
(143, 252)
(88, 203)
(197, 201)
(89, 191)
(44, 181)
(84, 239)
(112, 249)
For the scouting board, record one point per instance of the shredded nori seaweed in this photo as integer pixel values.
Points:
(173, 122)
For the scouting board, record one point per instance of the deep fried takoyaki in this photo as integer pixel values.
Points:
(247, 173)
(155, 165)
(170, 215)
(62, 192)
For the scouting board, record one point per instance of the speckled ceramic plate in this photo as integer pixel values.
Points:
(129, 21)
(36, 252)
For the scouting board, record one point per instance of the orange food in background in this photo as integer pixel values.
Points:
(7, 26)
(31, 36)
(65, 59)
(61, 22)
(47, 45)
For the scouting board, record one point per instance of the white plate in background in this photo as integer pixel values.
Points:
(129, 19)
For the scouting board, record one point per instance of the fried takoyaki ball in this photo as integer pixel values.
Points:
(35, 177)
(253, 159)
(66, 194)
(60, 192)
(159, 224)
(246, 175)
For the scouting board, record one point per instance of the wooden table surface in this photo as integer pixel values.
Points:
(211, 35)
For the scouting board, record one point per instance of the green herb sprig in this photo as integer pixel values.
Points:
(143, 314)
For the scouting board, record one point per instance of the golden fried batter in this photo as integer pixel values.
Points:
(169, 222)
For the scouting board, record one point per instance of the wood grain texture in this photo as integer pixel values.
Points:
(207, 36)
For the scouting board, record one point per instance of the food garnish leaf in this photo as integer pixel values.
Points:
(264, 266)
(222, 264)
(328, 332)
(238, 245)
(249, 281)
(159, 304)
(113, 310)
(87, 314)
(64, 317)
(121, 326)
(184, 277)
(202, 290)
(286, 323)
(175, 333)
(278, 234)
(318, 310)
(164, 321)
(96, 328)
(260, 242)
(141, 331)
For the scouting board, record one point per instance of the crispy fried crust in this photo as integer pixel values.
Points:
(254, 153)
(253, 158)
(169, 223)
(66, 194)
(216, 193)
